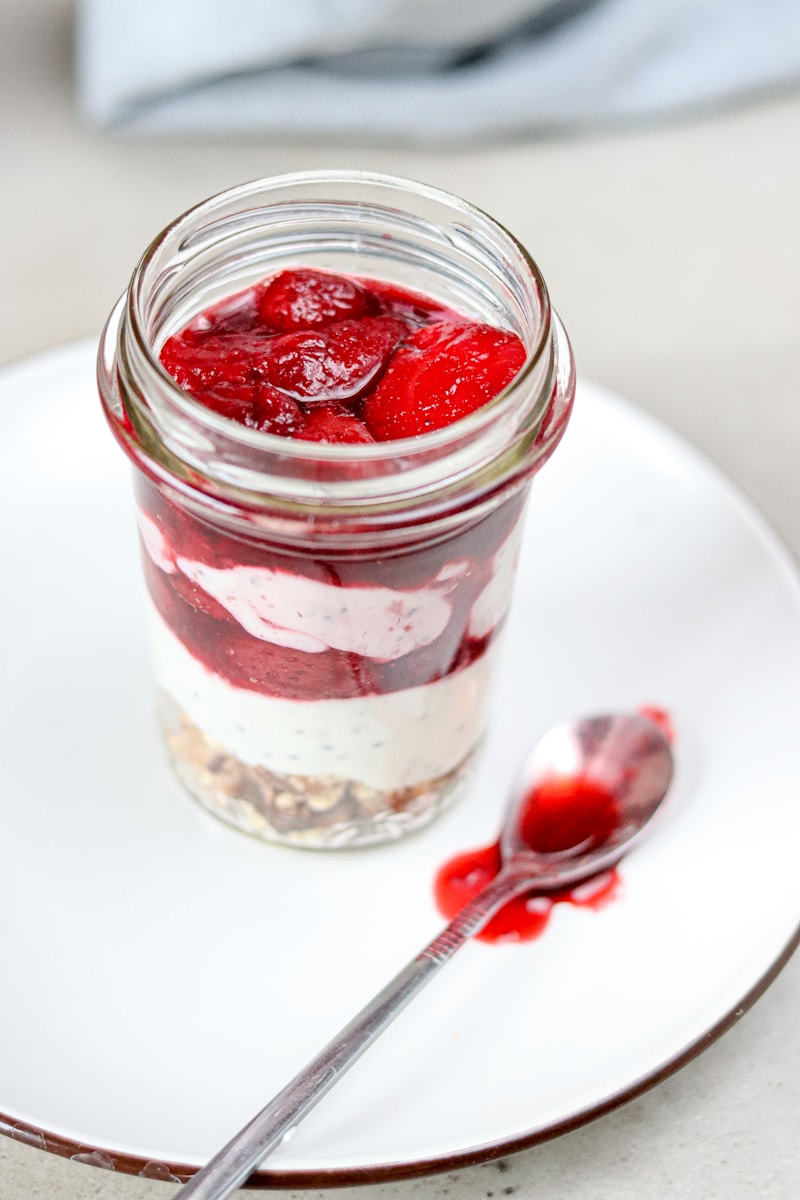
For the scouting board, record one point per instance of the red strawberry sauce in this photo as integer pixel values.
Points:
(559, 814)
(309, 354)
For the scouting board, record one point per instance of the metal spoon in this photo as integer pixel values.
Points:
(629, 759)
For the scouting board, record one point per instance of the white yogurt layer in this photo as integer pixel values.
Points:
(385, 741)
(310, 615)
(492, 604)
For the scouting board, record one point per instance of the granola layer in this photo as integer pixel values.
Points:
(315, 811)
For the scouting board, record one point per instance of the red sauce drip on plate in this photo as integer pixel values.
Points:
(661, 718)
(560, 814)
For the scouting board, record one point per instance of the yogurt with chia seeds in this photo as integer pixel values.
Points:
(305, 707)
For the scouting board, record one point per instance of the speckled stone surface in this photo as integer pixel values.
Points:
(672, 256)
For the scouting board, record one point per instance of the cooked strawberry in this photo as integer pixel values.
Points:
(309, 299)
(280, 670)
(168, 591)
(335, 363)
(275, 412)
(445, 371)
(333, 423)
(231, 400)
(200, 366)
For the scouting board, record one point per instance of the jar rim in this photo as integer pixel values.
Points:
(149, 385)
(292, 448)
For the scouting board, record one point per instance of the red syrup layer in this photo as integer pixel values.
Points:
(215, 637)
(560, 814)
(330, 358)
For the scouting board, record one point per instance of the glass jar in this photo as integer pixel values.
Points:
(324, 618)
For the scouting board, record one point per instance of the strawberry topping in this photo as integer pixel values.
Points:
(336, 363)
(446, 372)
(334, 423)
(331, 359)
(307, 299)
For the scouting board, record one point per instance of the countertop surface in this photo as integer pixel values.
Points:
(671, 253)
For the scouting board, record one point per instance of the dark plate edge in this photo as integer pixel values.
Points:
(130, 1164)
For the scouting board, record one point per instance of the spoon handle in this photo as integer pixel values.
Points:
(231, 1165)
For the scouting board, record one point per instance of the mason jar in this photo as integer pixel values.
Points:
(325, 619)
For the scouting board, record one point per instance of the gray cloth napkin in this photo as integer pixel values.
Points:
(422, 70)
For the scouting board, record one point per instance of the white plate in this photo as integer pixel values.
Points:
(165, 975)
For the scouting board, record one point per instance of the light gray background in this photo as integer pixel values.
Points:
(673, 256)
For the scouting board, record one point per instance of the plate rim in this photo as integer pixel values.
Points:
(333, 1177)
(62, 1145)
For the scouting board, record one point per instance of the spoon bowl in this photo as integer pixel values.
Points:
(582, 798)
(584, 795)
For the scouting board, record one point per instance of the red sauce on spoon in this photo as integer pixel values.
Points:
(559, 814)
